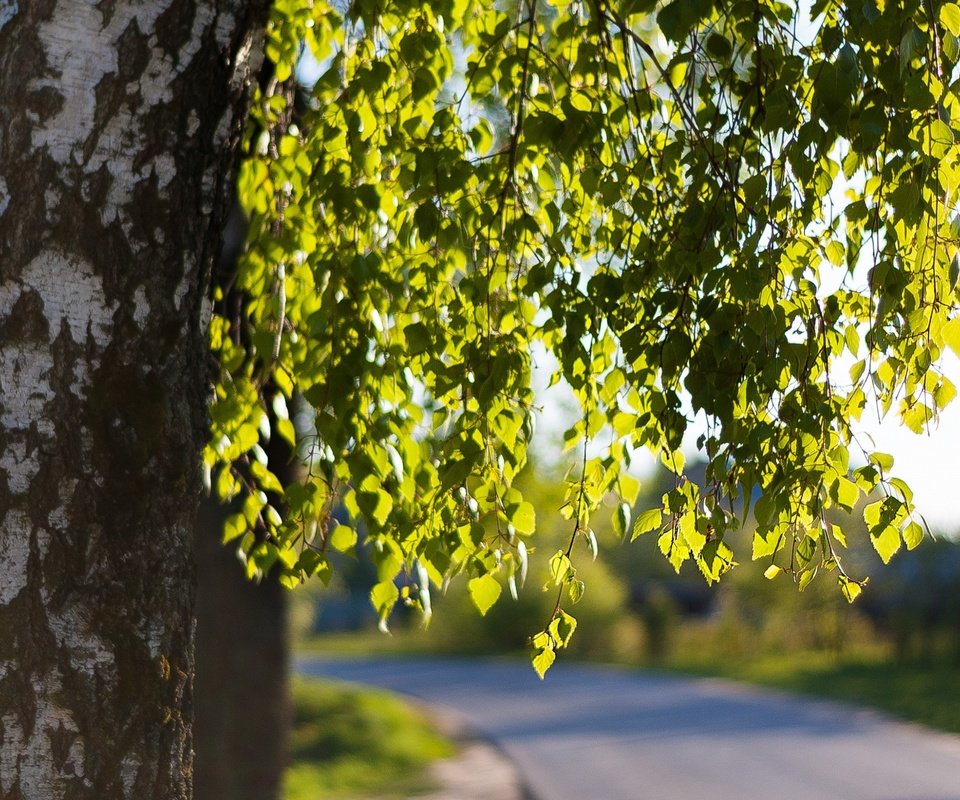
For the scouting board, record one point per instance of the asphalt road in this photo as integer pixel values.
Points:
(596, 733)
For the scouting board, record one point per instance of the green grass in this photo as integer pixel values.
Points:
(356, 742)
(924, 693)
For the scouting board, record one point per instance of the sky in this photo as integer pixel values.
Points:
(929, 463)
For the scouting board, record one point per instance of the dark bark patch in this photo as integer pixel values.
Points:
(27, 225)
(16, 684)
(61, 740)
(26, 321)
(174, 25)
(133, 56)
(129, 410)
(149, 210)
(46, 102)
(107, 9)
(133, 53)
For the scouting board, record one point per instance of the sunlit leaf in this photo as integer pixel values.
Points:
(647, 521)
(542, 661)
(484, 592)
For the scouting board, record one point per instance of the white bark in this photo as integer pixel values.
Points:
(111, 164)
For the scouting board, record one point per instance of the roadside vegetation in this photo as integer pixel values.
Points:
(353, 742)
(925, 693)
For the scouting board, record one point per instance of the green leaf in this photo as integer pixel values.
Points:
(427, 219)
(266, 479)
(714, 559)
(838, 535)
(417, 337)
(581, 101)
(847, 493)
(852, 339)
(523, 517)
(542, 660)
(905, 492)
(343, 538)
(766, 543)
(941, 138)
(621, 520)
(872, 513)
(647, 521)
(917, 417)
(950, 17)
(886, 541)
(384, 596)
(484, 592)
(561, 570)
(951, 335)
(883, 461)
(575, 590)
(912, 534)
(561, 629)
(719, 47)
(234, 527)
(911, 43)
(678, 18)
(286, 430)
(314, 563)
(835, 253)
(851, 589)
(376, 505)
(454, 473)
(289, 580)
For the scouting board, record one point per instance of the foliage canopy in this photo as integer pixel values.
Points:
(735, 212)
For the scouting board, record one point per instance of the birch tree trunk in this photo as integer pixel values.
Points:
(117, 124)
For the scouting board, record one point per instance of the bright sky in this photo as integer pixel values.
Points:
(929, 463)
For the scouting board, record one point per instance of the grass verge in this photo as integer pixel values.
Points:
(357, 742)
(924, 693)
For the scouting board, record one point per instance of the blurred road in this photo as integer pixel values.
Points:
(597, 733)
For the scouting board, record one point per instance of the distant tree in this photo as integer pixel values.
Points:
(916, 602)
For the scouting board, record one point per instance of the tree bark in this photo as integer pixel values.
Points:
(118, 122)
(243, 712)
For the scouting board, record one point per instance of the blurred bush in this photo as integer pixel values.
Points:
(605, 627)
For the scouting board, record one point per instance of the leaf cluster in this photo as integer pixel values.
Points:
(719, 213)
